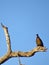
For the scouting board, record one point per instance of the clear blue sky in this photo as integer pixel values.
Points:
(24, 19)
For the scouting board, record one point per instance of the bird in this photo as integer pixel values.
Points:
(39, 42)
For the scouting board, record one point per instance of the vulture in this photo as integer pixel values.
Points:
(39, 42)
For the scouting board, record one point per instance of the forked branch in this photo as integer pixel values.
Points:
(11, 54)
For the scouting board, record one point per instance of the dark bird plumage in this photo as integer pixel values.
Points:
(39, 41)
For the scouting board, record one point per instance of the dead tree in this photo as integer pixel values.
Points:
(11, 54)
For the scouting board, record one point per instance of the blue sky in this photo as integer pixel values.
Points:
(24, 19)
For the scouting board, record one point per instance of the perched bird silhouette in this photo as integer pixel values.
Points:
(39, 41)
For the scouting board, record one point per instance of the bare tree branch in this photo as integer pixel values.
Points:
(7, 37)
(11, 54)
(20, 61)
